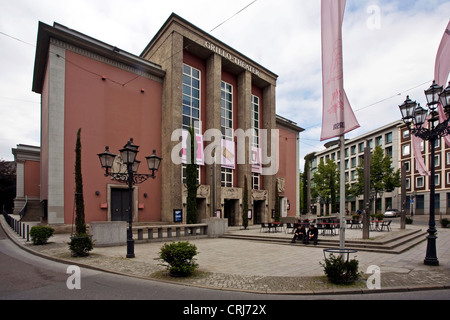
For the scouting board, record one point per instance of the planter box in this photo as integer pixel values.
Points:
(109, 234)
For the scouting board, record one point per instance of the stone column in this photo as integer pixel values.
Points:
(171, 179)
(269, 123)
(213, 117)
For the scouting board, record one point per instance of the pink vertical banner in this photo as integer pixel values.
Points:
(338, 117)
(442, 70)
(442, 67)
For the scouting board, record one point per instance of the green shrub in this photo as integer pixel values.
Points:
(445, 222)
(409, 220)
(339, 271)
(80, 245)
(179, 258)
(379, 216)
(41, 234)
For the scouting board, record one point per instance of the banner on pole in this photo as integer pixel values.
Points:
(338, 117)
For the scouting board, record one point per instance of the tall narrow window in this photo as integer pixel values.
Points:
(227, 111)
(227, 127)
(255, 121)
(191, 98)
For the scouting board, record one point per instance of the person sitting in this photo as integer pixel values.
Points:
(300, 234)
(312, 235)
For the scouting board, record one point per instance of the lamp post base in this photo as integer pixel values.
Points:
(130, 249)
(431, 257)
(431, 262)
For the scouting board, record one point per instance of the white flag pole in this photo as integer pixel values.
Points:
(342, 196)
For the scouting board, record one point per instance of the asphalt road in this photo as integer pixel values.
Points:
(25, 276)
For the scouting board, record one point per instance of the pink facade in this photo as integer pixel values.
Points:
(114, 96)
(109, 113)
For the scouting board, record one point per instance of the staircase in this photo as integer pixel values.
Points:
(391, 242)
(32, 212)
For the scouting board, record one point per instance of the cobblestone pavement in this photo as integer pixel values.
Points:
(263, 267)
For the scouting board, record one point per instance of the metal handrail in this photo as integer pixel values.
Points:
(24, 209)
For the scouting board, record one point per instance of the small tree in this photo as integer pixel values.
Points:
(80, 244)
(191, 179)
(383, 178)
(277, 203)
(245, 205)
(326, 184)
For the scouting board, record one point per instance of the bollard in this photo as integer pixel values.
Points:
(28, 233)
(150, 233)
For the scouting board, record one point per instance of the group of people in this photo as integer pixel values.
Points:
(302, 235)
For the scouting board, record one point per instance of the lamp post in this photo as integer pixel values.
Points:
(416, 117)
(130, 177)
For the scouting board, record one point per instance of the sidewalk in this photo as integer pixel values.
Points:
(264, 267)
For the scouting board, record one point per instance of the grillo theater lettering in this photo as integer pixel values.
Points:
(230, 57)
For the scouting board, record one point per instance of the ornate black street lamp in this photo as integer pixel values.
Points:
(130, 177)
(415, 117)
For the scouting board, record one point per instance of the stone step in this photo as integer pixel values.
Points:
(394, 244)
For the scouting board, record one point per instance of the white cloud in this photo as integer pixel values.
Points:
(284, 36)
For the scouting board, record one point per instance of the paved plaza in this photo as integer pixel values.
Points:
(266, 267)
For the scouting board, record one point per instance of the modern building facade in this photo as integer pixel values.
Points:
(184, 78)
(418, 185)
(396, 140)
(388, 137)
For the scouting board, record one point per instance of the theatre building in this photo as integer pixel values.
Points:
(183, 78)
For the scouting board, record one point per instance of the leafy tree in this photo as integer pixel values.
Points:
(7, 185)
(326, 184)
(383, 178)
(191, 179)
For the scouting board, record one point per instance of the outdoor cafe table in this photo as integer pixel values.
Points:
(328, 226)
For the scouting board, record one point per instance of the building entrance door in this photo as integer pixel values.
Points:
(229, 211)
(258, 211)
(120, 205)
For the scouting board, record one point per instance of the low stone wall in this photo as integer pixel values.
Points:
(109, 234)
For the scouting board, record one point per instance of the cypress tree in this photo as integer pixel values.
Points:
(191, 179)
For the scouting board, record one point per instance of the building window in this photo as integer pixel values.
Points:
(361, 147)
(405, 134)
(408, 183)
(256, 181)
(406, 150)
(419, 182)
(388, 138)
(227, 111)
(227, 178)
(183, 173)
(437, 160)
(437, 179)
(388, 151)
(255, 121)
(407, 164)
(191, 98)
(354, 165)
(379, 141)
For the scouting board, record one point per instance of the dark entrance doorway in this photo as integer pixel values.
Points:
(229, 211)
(258, 211)
(120, 204)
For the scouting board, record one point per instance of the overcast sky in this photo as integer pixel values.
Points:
(389, 52)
